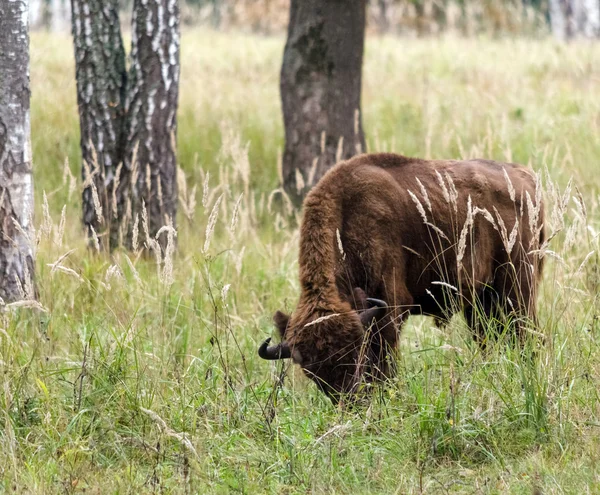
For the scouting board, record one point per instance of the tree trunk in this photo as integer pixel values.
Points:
(575, 18)
(101, 78)
(16, 181)
(127, 119)
(60, 15)
(152, 100)
(35, 13)
(320, 89)
(588, 18)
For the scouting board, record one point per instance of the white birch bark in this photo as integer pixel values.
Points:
(35, 13)
(575, 19)
(60, 16)
(152, 99)
(101, 84)
(16, 181)
(589, 18)
(558, 19)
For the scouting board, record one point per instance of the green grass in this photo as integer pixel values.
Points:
(78, 381)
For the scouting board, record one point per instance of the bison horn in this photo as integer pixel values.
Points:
(279, 351)
(376, 311)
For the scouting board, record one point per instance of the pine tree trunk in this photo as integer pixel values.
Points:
(16, 181)
(101, 84)
(152, 101)
(320, 89)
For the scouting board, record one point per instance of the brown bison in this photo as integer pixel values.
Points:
(384, 236)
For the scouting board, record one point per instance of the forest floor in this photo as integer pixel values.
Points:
(135, 377)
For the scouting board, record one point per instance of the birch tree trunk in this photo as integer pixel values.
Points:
(59, 15)
(16, 181)
(575, 18)
(558, 19)
(588, 21)
(152, 101)
(128, 121)
(101, 85)
(320, 89)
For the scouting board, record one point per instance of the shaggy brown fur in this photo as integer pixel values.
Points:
(363, 234)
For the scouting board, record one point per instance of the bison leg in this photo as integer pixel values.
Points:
(510, 302)
(383, 338)
(518, 283)
(483, 316)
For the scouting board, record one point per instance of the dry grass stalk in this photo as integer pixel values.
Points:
(313, 171)
(47, 224)
(339, 243)
(88, 175)
(462, 241)
(135, 273)
(225, 291)
(340, 150)
(443, 187)
(135, 167)
(55, 267)
(28, 288)
(437, 230)
(205, 190)
(115, 187)
(27, 304)
(167, 277)
(145, 222)
(445, 284)
(134, 234)
(321, 319)
(60, 260)
(113, 272)
(69, 178)
(212, 221)
(425, 195)
(288, 202)
(21, 231)
(419, 206)
(509, 185)
(20, 289)
(154, 246)
(235, 216)
(452, 192)
(507, 240)
(95, 238)
(59, 234)
(239, 260)
(299, 181)
(180, 437)
(584, 262)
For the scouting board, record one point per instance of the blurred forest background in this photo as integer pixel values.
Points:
(564, 18)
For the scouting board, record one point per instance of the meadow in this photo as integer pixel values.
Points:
(138, 375)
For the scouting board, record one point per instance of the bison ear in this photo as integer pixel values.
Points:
(281, 321)
(359, 299)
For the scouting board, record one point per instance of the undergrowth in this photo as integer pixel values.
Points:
(137, 376)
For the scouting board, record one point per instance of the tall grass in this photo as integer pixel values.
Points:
(141, 375)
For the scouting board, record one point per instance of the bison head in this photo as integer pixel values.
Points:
(333, 350)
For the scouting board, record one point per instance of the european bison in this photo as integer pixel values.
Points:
(384, 236)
